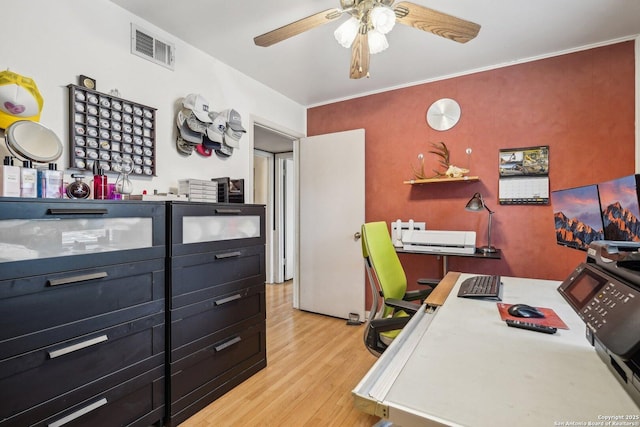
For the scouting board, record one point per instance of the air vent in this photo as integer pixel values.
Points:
(146, 46)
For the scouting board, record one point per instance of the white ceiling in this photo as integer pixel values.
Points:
(312, 69)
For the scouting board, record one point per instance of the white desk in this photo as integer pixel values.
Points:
(461, 365)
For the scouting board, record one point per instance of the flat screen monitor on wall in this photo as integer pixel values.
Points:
(620, 210)
(577, 215)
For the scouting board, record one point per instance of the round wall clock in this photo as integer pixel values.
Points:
(443, 114)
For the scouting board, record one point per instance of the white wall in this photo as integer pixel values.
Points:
(55, 41)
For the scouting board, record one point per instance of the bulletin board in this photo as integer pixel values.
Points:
(524, 176)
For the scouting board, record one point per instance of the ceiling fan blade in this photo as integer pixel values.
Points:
(297, 27)
(360, 57)
(438, 23)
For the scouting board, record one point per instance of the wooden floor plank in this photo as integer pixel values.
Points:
(313, 363)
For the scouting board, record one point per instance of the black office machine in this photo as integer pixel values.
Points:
(605, 292)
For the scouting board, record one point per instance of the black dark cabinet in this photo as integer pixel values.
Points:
(127, 313)
(216, 315)
(82, 303)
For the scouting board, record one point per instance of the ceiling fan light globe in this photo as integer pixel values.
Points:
(346, 33)
(377, 42)
(383, 19)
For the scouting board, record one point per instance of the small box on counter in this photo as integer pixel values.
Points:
(199, 190)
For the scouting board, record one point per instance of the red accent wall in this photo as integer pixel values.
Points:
(580, 104)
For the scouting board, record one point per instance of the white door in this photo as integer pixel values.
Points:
(330, 276)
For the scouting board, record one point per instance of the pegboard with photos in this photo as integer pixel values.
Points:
(109, 130)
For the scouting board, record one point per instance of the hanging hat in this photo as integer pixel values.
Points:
(194, 123)
(183, 146)
(224, 151)
(214, 145)
(234, 121)
(215, 131)
(186, 132)
(232, 138)
(198, 105)
(203, 151)
(19, 99)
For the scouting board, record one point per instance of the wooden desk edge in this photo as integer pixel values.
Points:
(441, 292)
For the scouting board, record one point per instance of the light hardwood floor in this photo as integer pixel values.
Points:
(313, 363)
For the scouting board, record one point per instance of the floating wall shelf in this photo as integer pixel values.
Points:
(433, 180)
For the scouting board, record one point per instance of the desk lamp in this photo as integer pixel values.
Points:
(476, 204)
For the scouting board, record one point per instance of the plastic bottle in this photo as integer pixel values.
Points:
(28, 180)
(50, 182)
(9, 179)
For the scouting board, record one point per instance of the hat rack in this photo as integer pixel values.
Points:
(107, 129)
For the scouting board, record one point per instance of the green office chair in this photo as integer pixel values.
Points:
(389, 282)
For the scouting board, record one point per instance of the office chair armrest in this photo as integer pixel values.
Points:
(410, 307)
(418, 295)
(421, 294)
(428, 282)
(389, 323)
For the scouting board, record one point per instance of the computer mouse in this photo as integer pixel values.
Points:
(524, 310)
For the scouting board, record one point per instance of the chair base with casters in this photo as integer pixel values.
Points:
(388, 282)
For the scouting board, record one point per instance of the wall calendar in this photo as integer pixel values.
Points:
(524, 176)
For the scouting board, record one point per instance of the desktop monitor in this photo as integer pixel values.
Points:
(577, 215)
(620, 210)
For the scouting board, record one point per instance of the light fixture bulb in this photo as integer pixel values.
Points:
(377, 42)
(346, 33)
(383, 19)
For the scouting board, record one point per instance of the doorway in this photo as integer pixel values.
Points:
(274, 187)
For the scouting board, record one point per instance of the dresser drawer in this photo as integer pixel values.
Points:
(135, 401)
(195, 321)
(43, 374)
(44, 236)
(207, 275)
(41, 310)
(227, 359)
(204, 227)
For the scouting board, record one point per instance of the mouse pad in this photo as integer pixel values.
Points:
(550, 319)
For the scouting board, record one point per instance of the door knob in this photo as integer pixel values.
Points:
(356, 235)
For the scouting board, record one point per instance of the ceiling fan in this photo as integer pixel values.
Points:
(370, 20)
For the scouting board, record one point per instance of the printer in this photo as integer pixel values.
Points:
(605, 292)
(435, 241)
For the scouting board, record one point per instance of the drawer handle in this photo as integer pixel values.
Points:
(229, 255)
(77, 346)
(227, 344)
(85, 211)
(228, 299)
(228, 211)
(80, 412)
(75, 279)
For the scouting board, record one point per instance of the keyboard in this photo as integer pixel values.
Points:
(481, 287)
